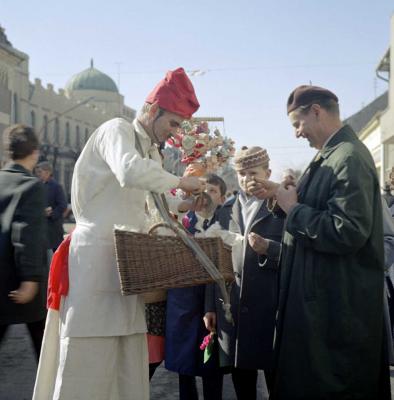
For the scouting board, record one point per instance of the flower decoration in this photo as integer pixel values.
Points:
(186, 222)
(207, 346)
(199, 146)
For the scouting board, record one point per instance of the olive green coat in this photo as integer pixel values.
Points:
(330, 319)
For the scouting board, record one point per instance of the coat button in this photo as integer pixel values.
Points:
(244, 309)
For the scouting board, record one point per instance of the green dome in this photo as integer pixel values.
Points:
(91, 79)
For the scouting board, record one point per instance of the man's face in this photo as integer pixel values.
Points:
(306, 125)
(214, 193)
(43, 174)
(250, 174)
(165, 124)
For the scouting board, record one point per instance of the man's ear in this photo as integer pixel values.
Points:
(316, 109)
(153, 110)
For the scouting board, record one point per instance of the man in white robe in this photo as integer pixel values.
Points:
(101, 353)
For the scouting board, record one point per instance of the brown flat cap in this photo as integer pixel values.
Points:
(306, 95)
(251, 157)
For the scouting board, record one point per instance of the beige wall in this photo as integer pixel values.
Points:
(387, 119)
(69, 123)
(371, 136)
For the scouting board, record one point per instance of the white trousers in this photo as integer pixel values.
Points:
(93, 368)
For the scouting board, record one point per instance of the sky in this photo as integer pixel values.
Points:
(253, 54)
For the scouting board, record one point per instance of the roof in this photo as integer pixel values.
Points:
(3, 37)
(91, 79)
(384, 63)
(6, 45)
(361, 119)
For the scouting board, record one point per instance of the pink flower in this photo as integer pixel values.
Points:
(207, 339)
(186, 222)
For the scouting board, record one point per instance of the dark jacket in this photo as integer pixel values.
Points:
(248, 344)
(389, 198)
(57, 200)
(223, 213)
(185, 328)
(330, 322)
(22, 243)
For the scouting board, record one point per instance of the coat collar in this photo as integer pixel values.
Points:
(14, 167)
(144, 138)
(345, 134)
(261, 214)
(238, 219)
(237, 214)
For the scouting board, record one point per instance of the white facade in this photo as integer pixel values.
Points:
(387, 117)
(378, 132)
(371, 136)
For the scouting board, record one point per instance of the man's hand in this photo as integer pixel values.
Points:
(201, 202)
(186, 205)
(262, 189)
(25, 293)
(210, 321)
(197, 203)
(287, 197)
(258, 243)
(48, 211)
(289, 181)
(191, 184)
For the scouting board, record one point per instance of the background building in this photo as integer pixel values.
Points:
(367, 124)
(374, 124)
(63, 119)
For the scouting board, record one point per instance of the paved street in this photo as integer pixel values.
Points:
(17, 372)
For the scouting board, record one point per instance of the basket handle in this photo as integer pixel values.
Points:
(160, 225)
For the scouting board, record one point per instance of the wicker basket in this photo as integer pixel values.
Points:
(148, 263)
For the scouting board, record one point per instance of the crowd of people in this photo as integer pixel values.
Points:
(311, 299)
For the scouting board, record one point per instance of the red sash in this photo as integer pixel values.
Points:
(58, 275)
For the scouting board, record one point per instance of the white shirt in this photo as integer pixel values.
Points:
(110, 186)
(250, 206)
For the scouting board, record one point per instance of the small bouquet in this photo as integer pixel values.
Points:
(207, 346)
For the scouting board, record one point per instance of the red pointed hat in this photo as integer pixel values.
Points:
(175, 93)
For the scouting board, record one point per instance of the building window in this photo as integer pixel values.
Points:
(77, 138)
(67, 140)
(15, 108)
(33, 119)
(56, 131)
(86, 135)
(45, 129)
